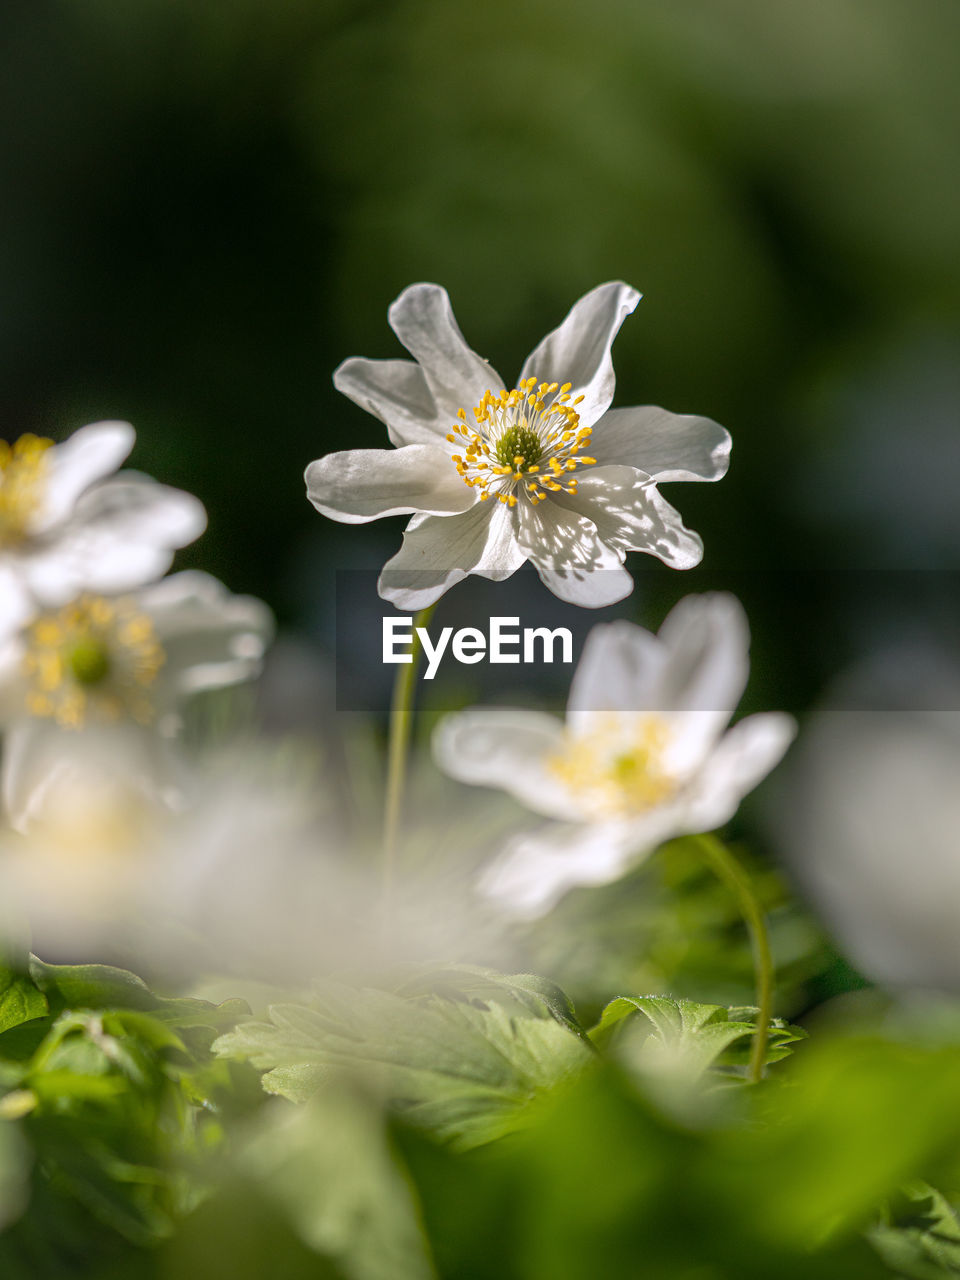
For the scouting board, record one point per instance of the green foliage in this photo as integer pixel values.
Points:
(463, 1065)
(672, 925)
(330, 1169)
(689, 1038)
(20, 1000)
(919, 1236)
(114, 1093)
(780, 1180)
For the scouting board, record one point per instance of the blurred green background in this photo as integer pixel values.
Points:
(207, 206)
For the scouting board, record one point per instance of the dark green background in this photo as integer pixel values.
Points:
(207, 206)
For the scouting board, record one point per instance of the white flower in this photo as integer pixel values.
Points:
(642, 757)
(228, 872)
(870, 823)
(546, 472)
(64, 528)
(122, 661)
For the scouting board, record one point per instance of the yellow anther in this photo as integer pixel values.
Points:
(94, 657)
(23, 475)
(519, 438)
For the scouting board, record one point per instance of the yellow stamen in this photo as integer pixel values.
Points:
(94, 658)
(23, 478)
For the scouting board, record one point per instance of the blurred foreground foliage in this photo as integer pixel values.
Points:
(460, 1122)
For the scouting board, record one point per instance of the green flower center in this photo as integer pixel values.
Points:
(519, 443)
(89, 661)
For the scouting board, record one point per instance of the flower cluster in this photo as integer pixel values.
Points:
(98, 653)
(549, 472)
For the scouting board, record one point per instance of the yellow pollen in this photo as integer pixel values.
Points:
(616, 768)
(526, 440)
(93, 659)
(23, 477)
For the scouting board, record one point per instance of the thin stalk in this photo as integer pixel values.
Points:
(398, 749)
(733, 874)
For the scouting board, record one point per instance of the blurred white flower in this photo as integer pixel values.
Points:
(870, 820)
(125, 662)
(224, 875)
(64, 528)
(643, 755)
(546, 471)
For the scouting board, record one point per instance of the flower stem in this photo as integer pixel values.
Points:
(401, 725)
(733, 874)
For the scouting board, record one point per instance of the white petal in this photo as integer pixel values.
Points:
(743, 757)
(16, 606)
(90, 454)
(358, 485)
(620, 669)
(708, 642)
(579, 350)
(12, 684)
(693, 674)
(569, 556)
(123, 533)
(667, 446)
(439, 551)
(44, 766)
(396, 392)
(538, 868)
(508, 748)
(423, 320)
(210, 637)
(631, 514)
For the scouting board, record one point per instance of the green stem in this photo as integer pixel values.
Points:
(733, 874)
(398, 749)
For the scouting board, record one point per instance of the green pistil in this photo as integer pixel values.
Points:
(89, 661)
(519, 442)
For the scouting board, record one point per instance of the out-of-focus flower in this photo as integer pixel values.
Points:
(123, 662)
(64, 528)
(224, 874)
(869, 822)
(545, 472)
(643, 755)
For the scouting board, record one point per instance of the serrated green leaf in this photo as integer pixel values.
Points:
(20, 1000)
(464, 1069)
(694, 1036)
(533, 992)
(920, 1237)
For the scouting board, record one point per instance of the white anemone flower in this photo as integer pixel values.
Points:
(231, 872)
(545, 471)
(644, 754)
(67, 524)
(123, 662)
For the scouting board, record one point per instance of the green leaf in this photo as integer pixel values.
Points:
(466, 1069)
(533, 992)
(20, 1000)
(101, 986)
(691, 1036)
(920, 1237)
(330, 1170)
